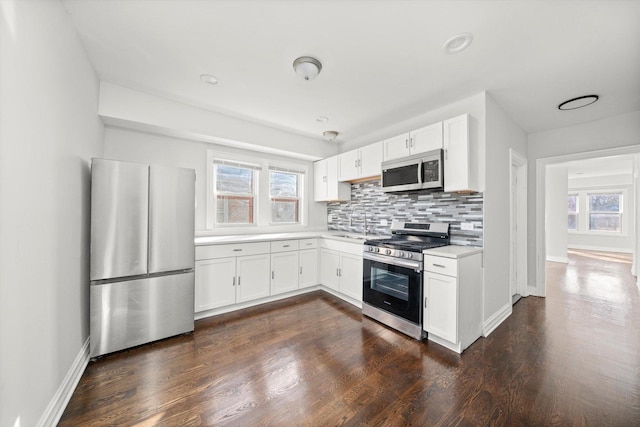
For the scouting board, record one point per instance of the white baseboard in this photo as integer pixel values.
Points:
(562, 259)
(496, 319)
(601, 249)
(58, 403)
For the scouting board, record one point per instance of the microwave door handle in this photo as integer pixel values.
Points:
(420, 166)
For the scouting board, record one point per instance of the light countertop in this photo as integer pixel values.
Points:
(251, 238)
(453, 251)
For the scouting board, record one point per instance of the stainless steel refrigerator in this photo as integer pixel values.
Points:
(142, 254)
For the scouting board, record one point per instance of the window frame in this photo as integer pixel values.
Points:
(583, 201)
(262, 202)
(576, 212)
(620, 212)
(253, 196)
(299, 200)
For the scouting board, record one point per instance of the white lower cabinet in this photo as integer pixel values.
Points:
(234, 273)
(308, 270)
(341, 268)
(284, 272)
(453, 300)
(253, 277)
(226, 281)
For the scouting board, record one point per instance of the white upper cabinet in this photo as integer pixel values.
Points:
(460, 174)
(396, 147)
(325, 179)
(361, 163)
(417, 141)
(426, 139)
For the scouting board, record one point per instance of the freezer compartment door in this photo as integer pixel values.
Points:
(126, 314)
(119, 219)
(171, 219)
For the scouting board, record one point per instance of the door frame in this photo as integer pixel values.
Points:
(539, 288)
(518, 215)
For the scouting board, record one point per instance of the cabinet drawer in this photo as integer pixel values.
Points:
(436, 264)
(284, 246)
(308, 243)
(233, 249)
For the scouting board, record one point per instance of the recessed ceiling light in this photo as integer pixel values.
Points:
(579, 102)
(209, 79)
(457, 43)
(322, 119)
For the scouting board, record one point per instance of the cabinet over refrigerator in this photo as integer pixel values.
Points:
(142, 254)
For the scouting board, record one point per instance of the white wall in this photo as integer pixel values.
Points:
(144, 147)
(610, 133)
(557, 236)
(49, 129)
(623, 242)
(124, 107)
(502, 134)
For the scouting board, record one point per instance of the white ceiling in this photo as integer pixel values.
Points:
(600, 166)
(382, 60)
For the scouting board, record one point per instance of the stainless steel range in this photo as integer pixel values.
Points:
(393, 274)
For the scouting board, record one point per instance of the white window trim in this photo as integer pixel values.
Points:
(262, 203)
(583, 214)
(577, 194)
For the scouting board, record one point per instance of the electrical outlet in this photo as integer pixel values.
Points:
(330, 219)
(384, 222)
(466, 226)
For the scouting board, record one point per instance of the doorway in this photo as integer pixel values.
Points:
(518, 228)
(543, 213)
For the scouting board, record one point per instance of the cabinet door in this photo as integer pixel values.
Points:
(308, 268)
(426, 139)
(441, 311)
(252, 277)
(320, 181)
(351, 276)
(329, 268)
(370, 159)
(457, 175)
(336, 190)
(284, 272)
(396, 147)
(215, 283)
(349, 166)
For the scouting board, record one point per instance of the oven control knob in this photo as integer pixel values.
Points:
(370, 248)
(400, 254)
(409, 255)
(377, 249)
(388, 251)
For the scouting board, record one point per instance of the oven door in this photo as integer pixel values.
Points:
(395, 288)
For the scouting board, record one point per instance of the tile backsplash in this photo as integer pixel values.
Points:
(383, 208)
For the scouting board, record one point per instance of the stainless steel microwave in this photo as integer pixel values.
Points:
(418, 172)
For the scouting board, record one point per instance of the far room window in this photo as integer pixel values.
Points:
(605, 212)
(572, 208)
(235, 187)
(285, 195)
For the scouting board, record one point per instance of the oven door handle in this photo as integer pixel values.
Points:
(415, 265)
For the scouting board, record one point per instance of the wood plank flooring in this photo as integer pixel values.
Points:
(572, 358)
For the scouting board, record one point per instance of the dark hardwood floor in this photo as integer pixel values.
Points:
(572, 358)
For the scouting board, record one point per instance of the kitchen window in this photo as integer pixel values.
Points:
(235, 188)
(572, 207)
(605, 212)
(252, 191)
(284, 194)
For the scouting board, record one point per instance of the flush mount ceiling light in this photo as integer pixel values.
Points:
(330, 135)
(579, 102)
(307, 67)
(457, 43)
(209, 79)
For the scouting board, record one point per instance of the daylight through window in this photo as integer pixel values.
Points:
(605, 212)
(284, 194)
(235, 192)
